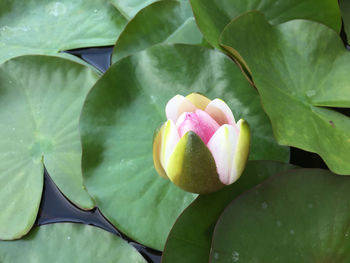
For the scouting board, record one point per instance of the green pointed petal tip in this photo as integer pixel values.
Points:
(157, 144)
(198, 100)
(192, 167)
(243, 147)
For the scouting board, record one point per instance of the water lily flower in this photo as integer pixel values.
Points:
(200, 148)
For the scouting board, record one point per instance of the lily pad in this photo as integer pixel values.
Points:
(121, 114)
(304, 72)
(190, 237)
(47, 27)
(213, 16)
(40, 102)
(67, 242)
(161, 22)
(299, 216)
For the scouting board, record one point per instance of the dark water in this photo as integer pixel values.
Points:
(99, 57)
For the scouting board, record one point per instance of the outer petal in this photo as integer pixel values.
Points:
(192, 167)
(170, 137)
(220, 112)
(243, 146)
(198, 100)
(176, 106)
(157, 145)
(199, 122)
(230, 150)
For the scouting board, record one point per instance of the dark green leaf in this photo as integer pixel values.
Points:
(190, 238)
(299, 216)
(300, 69)
(213, 16)
(161, 22)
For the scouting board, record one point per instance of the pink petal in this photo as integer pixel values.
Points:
(223, 148)
(170, 138)
(199, 122)
(220, 112)
(176, 106)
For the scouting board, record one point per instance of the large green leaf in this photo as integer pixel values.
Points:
(161, 22)
(40, 102)
(299, 216)
(123, 110)
(190, 238)
(67, 242)
(300, 69)
(213, 15)
(47, 27)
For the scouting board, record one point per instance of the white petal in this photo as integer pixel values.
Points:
(220, 112)
(223, 148)
(176, 106)
(170, 138)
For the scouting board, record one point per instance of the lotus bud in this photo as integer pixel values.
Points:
(200, 148)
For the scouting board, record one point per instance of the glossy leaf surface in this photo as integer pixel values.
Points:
(190, 238)
(67, 242)
(40, 102)
(298, 216)
(121, 114)
(303, 75)
(161, 22)
(213, 15)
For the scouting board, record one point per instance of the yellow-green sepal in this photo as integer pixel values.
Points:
(192, 167)
(157, 145)
(243, 146)
(198, 100)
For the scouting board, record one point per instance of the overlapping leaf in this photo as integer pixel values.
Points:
(190, 237)
(40, 102)
(119, 118)
(213, 15)
(299, 216)
(47, 27)
(161, 22)
(300, 69)
(68, 243)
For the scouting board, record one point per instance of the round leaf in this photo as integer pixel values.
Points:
(44, 27)
(190, 237)
(161, 22)
(304, 72)
(67, 242)
(213, 16)
(40, 102)
(299, 216)
(118, 121)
